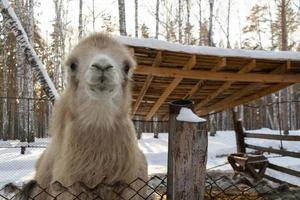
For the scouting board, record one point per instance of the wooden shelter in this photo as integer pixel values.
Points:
(214, 78)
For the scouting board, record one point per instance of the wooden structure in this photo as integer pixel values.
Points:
(242, 147)
(282, 152)
(253, 166)
(187, 156)
(214, 78)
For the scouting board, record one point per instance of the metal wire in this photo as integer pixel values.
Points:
(219, 187)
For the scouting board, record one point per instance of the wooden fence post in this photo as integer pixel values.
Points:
(187, 156)
(239, 134)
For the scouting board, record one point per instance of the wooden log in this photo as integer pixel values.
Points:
(272, 150)
(217, 76)
(187, 156)
(239, 134)
(273, 137)
(284, 170)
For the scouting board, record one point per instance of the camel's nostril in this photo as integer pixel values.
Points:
(101, 67)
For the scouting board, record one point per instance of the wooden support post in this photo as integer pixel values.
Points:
(239, 134)
(187, 156)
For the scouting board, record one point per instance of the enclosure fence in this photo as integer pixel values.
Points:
(222, 187)
(24, 118)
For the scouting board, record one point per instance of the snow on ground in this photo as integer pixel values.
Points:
(18, 168)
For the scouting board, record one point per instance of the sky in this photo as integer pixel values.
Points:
(240, 10)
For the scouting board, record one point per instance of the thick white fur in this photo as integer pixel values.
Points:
(93, 137)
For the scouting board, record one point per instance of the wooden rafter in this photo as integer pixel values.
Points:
(253, 97)
(217, 76)
(222, 63)
(156, 63)
(228, 100)
(190, 64)
(249, 67)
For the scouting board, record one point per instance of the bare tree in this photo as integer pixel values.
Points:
(80, 25)
(157, 19)
(122, 17)
(180, 21)
(228, 24)
(210, 32)
(136, 18)
(200, 21)
(188, 25)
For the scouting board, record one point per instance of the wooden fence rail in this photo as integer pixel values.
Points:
(284, 170)
(272, 150)
(272, 137)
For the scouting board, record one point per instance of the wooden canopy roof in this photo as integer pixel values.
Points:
(214, 78)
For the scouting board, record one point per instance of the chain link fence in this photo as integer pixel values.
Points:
(217, 187)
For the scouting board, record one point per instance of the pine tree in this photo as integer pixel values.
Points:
(255, 26)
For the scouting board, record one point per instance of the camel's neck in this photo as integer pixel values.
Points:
(99, 114)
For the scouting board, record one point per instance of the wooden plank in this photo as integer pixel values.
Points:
(249, 67)
(284, 170)
(241, 101)
(217, 76)
(276, 151)
(225, 102)
(190, 64)
(273, 137)
(147, 83)
(222, 63)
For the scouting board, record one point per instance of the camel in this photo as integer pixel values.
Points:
(93, 137)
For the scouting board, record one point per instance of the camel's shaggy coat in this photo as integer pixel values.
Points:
(93, 137)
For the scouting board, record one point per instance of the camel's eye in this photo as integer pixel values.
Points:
(73, 67)
(126, 67)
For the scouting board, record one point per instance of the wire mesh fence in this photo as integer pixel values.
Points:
(24, 118)
(217, 187)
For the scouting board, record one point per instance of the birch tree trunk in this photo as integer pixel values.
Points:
(29, 28)
(12, 21)
(179, 21)
(4, 131)
(136, 18)
(210, 32)
(157, 19)
(200, 21)
(80, 26)
(21, 73)
(228, 24)
(188, 26)
(122, 17)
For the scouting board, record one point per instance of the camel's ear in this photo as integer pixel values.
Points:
(128, 66)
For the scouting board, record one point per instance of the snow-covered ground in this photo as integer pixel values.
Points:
(18, 168)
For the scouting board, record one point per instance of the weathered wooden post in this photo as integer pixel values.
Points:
(187, 153)
(239, 134)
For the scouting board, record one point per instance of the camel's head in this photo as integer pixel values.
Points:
(99, 67)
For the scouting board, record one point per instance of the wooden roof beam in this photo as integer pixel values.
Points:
(217, 76)
(244, 100)
(156, 63)
(221, 64)
(247, 68)
(240, 93)
(190, 64)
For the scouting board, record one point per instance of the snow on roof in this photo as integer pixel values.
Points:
(204, 50)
